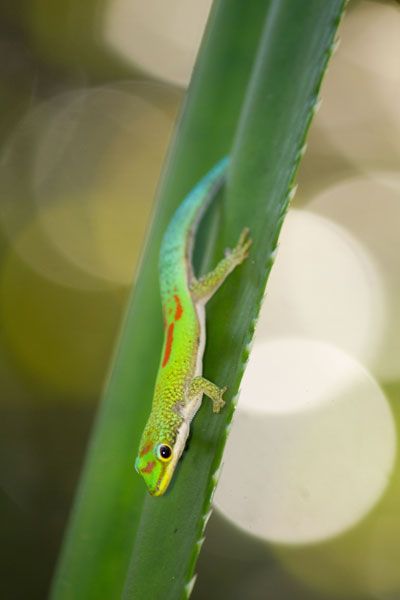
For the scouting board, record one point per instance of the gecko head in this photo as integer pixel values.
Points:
(158, 456)
(156, 463)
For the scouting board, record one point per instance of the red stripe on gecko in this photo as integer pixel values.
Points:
(149, 467)
(146, 449)
(168, 345)
(179, 309)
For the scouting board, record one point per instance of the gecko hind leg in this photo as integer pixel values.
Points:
(207, 285)
(200, 385)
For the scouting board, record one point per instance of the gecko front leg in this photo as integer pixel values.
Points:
(206, 286)
(200, 385)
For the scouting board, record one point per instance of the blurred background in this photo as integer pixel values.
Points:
(89, 95)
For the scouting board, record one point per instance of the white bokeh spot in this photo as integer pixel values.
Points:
(324, 285)
(312, 445)
(162, 38)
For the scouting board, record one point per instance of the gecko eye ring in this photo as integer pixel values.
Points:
(164, 452)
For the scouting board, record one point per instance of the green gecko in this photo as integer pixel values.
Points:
(180, 385)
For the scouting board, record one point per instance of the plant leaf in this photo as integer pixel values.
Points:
(294, 49)
(103, 524)
(113, 519)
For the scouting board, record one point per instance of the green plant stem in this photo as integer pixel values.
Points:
(280, 100)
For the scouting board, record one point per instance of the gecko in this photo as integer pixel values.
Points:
(180, 384)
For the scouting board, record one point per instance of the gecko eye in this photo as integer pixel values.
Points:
(164, 452)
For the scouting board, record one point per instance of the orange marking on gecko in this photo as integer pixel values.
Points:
(179, 309)
(170, 330)
(149, 467)
(146, 449)
(168, 344)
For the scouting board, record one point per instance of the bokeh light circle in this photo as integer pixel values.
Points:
(161, 38)
(61, 337)
(324, 285)
(369, 208)
(359, 122)
(84, 167)
(323, 431)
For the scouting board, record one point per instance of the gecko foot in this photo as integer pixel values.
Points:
(218, 402)
(241, 251)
